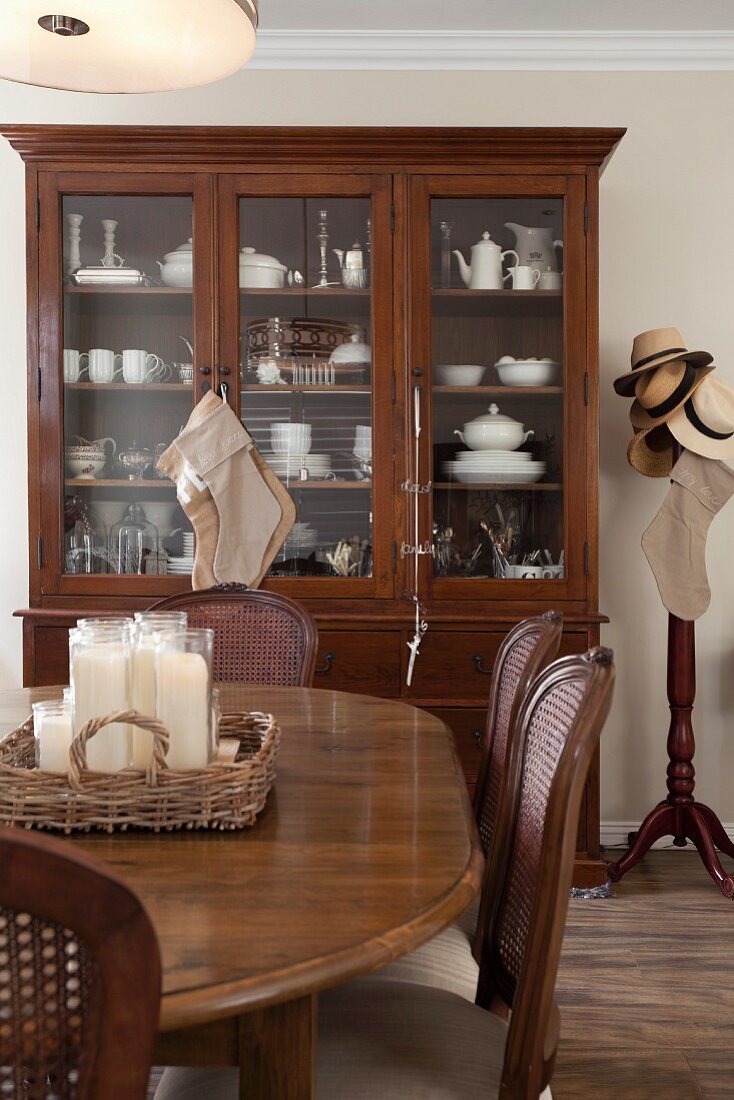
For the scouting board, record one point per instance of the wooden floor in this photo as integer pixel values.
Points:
(646, 989)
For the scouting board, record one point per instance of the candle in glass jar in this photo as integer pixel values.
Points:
(183, 706)
(100, 684)
(143, 674)
(53, 733)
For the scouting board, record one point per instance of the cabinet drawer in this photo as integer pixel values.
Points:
(467, 727)
(365, 663)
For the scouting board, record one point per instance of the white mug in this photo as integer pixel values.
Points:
(550, 280)
(523, 277)
(103, 365)
(139, 366)
(73, 368)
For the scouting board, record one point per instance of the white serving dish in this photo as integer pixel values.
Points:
(491, 456)
(458, 374)
(493, 432)
(160, 513)
(259, 270)
(499, 477)
(178, 266)
(528, 372)
(84, 462)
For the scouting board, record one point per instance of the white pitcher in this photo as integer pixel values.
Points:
(535, 246)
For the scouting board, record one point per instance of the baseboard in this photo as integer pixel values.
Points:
(614, 835)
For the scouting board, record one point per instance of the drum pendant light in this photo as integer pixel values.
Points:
(125, 45)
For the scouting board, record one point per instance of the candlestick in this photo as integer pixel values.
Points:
(75, 237)
(109, 258)
(183, 662)
(53, 734)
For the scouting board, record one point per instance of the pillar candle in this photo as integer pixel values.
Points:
(100, 685)
(183, 705)
(143, 698)
(54, 741)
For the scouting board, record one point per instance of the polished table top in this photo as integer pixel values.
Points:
(365, 849)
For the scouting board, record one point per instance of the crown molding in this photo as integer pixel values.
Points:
(562, 51)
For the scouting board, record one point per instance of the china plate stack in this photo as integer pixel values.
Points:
(301, 541)
(288, 466)
(183, 566)
(494, 467)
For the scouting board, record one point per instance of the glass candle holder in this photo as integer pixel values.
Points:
(53, 735)
(99, 660)
(183, 685)
(104, 621)
(143, 674)
(216, 716)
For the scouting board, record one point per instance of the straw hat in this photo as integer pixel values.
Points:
(650, 451)
(660, 392)
(653, 349)
(705, 423)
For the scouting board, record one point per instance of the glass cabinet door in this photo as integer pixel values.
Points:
(504, 393)
(123, 371)
(311, 264)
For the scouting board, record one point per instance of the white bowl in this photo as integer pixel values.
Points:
(87, 466)
(524, 373)
(160, 513)
(459, 374)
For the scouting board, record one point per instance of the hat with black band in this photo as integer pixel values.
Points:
(653, 349)
(705, 422)
(660, 392)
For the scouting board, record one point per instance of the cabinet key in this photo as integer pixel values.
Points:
(479, 665)
(329, 659)
(478, 736)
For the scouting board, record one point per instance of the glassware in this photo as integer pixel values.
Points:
(143, 674)
(446, 230)
(52, 730)
(131, 541)
(104, 621)
(183, 685)
(99, 660)
(216, 719)
(85, 538)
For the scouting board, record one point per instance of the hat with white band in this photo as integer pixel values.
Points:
(705, 422)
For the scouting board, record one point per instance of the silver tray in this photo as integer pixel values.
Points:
(108, 276)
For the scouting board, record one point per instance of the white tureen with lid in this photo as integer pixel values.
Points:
(259, 270)
(178, 269)
(493, 432)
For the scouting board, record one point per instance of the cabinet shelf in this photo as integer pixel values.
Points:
(499, 391)
(304, 291)
(504, 486)
(254, 387)
(129, 387)
(293, 485)
(145, 291)
(117, 483)
(498, 303)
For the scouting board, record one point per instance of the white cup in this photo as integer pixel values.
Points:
(140, 366)
(533, 572)
(73, 368)
(104, 365)
(550, 280)
(523, 277)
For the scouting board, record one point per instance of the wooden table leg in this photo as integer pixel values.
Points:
(277, 1048)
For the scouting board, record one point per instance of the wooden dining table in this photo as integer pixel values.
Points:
(366, 848)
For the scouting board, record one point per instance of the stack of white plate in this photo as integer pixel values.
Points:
(183, 566)
(288, 466)
(496, 467)
(301, 541)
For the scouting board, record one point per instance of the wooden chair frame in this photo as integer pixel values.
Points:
(534, 1022)
(243, 594)
(48, 879)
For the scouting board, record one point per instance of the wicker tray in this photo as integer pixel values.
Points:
(228, 794)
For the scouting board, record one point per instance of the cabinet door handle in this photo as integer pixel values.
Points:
(329, 659)
(205, 370)
(479, 665)
(478, 736)
(225, 371)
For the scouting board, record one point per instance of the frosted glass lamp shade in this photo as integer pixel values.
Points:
(125, 45)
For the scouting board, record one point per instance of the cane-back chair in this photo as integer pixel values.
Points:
(403, 1040)
(259, 637)
(80, 976)
(447, 961)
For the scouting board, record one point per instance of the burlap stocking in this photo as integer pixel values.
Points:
(197, 502)
(675, 541)
(255, 511)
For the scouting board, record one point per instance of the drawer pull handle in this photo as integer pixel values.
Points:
(478, 660)
(478, 736)
(329, 659)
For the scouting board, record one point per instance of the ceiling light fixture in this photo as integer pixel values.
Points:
(137, 46)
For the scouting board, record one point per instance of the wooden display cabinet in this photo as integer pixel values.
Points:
(408, 198)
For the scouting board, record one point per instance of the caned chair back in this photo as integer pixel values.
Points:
(525, 652)
(531, 865)
(80, 976)
(259, 637)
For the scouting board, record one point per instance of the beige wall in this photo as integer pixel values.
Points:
(667, 258)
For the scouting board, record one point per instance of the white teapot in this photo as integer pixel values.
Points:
(493, 432)
(178, 268)
(485, 270)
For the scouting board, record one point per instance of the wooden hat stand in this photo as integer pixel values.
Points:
(680, 815)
